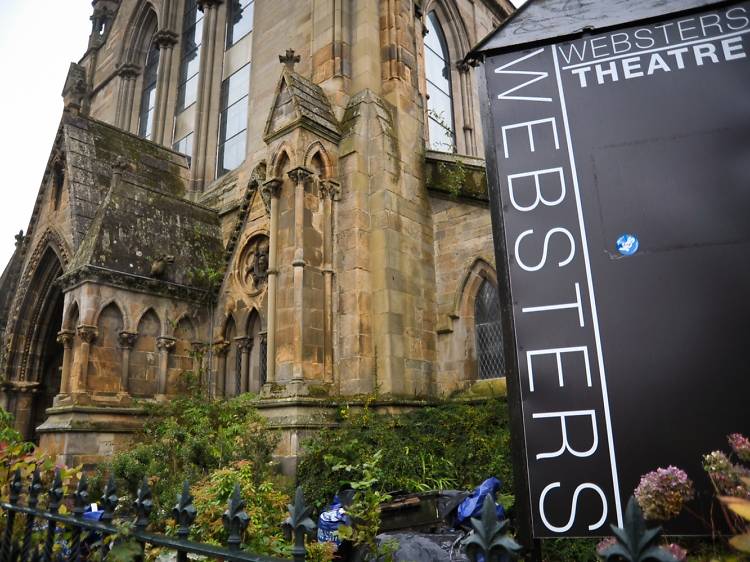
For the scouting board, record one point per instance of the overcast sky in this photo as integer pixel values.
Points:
(38, 41)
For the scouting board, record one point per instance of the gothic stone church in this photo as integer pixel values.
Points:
(282, 197)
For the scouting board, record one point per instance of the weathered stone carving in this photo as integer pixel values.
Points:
(126, 340)
(253, 264)
(159, 266)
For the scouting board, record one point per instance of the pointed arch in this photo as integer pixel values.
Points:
(144, 362)
(185, 328)
(282, 161)
(142, 26)
(453, 25)
(318, 160)
(476, 272)
(120, 309)
(150, 316)
(71, 316)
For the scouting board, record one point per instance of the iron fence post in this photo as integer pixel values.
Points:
(55, 496)
(184, 513)
(34, 489)
(80, 501)
(15, 492)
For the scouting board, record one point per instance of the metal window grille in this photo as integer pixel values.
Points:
(489, 334)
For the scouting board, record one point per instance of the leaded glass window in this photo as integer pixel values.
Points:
(439, 97)
(233, 120)
(192, 34)
(148, 95)
(489, 335)
(240, 21)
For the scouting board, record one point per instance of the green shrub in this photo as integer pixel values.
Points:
(187, 439)
(447, 445)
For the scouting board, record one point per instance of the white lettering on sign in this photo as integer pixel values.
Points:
(528, 125)
(538, 197)
(563, 306)
(537, 76)
(578, 490)
(558, 352)
(566, 447)
(547, 237)
(626, 62)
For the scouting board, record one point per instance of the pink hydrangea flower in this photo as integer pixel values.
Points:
(679, 553)
(662, 493)
(740, 445)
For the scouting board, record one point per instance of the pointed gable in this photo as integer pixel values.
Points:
(300, 103)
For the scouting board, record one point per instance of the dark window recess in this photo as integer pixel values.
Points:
(263, 361)
(439, 99)
(192, 33)
(489, 335)
(233, 120)
(58, 182)
(238, 371)
(240, 20)
(148, 96)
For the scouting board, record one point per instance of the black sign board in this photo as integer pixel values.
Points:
(620, 170)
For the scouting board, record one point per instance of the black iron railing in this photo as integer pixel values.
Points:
(30, 549)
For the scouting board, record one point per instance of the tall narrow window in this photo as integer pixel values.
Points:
(148, 97)
(240, 21)
(439, 102)
(192, 33)
(233, 120)
(489, 335)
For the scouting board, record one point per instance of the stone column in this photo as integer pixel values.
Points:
(87, 335)
(24, 415)
(165, 40)
(205, 84)
(270, 192)
(66, 338)
(299, 176)
(164, 344)
(220, 350)
(126, 340)
(123, 113)
(244, 347)
(467, 112)
(330, 191)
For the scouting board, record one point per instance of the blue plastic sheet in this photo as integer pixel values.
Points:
(330, 520)
(472, 506)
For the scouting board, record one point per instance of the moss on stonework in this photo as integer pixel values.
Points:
(111, 143)
(491, 388)
(452, 175)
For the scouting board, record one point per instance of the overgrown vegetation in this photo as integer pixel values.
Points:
(449, 445)
(189, 438)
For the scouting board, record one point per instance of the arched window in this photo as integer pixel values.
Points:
(489, 335)
(148, 97)
(441, 130)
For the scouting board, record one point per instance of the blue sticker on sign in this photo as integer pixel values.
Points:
(627, 244)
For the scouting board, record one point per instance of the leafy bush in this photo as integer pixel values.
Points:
(447, 445)
(189, 438)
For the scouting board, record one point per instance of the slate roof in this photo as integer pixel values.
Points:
(309, 104)
(92, 147)
(135, 225)
(540, 20)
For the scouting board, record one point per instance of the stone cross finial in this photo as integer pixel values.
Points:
(289, 59)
